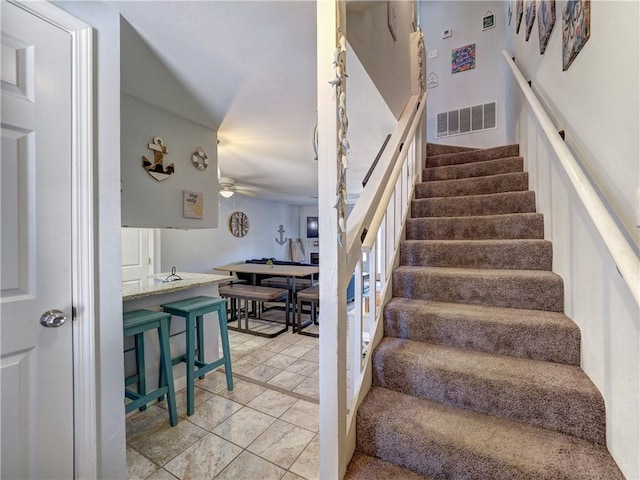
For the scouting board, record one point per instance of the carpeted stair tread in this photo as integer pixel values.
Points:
(534, 334)
(551, 395)
(504, 182)
(474, 205)
(514, 254)
(365, 467)
(476, 169)
(514, 225)
(529, 289)
(457, 158)
(439, 148)
(447, 442)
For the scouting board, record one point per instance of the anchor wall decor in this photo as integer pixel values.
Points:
(156, 169)
(282, 240)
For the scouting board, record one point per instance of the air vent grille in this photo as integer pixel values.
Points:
(466, 120)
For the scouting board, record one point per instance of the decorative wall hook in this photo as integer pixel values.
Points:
(156, 168)
(281, 240)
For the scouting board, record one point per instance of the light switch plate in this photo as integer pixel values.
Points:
(432, 54)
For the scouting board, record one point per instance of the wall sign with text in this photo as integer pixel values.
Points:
(463, 58)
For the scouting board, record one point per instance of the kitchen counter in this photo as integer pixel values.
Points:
(158, 286)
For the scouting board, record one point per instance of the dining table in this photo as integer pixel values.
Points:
(290, 271)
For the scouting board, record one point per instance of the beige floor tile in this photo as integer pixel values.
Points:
(258, 342)
(241, 351)
(243, 392)
(281, 443)
(308, 463)
(260, 355)
(295, 351)
(161, 446)
(316, 373)
(305, 341)
(142, 424)
(214, 382)
(242, 366)
(308, 387)
(303, 414)
(214, 411)
(248, 466)
(139, 467)
(272, 403)
(291, 476)
(161, 474)
(286, 380)
(244, 426)
(205, 459)
(302, 367)
(311, 355)
(202, 395)
(263, 373)
(280, 361)
(277, 345)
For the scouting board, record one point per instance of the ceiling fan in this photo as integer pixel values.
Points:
(228, 187)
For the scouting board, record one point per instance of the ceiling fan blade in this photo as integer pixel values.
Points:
(248, 193)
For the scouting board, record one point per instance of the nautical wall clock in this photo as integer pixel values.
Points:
(238, 224)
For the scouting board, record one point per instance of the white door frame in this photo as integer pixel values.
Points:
(82, 235)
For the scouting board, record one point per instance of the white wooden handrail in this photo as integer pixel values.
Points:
(381, 209)
(625, 258)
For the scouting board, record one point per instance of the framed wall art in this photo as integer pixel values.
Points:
(546, 21)
(463, 58)
(576, 30)
(519, 11)
(530, 17)
(192, 204)
(488, 21)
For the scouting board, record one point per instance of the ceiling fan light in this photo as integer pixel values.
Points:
(226, 193)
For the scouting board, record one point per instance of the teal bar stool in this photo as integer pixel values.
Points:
(134, 325)
(192, 310)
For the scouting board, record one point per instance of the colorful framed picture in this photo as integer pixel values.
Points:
(530, 17)
(463, 58)
(576, 29)
(546, 21)
(519, 10)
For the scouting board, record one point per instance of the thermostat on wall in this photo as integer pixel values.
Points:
(447, 33)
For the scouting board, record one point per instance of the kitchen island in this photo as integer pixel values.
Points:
(162, 288)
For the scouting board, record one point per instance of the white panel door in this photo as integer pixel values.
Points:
(35, 203)
(137, 255)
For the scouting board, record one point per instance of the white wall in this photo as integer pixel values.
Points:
(597, 103)
(485, 83)
(386, 61)
(147, 202)
(111, 426)
(201, 250)
(597, 100)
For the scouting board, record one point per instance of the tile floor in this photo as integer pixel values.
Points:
(266, 428)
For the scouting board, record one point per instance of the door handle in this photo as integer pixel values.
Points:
(52, 319)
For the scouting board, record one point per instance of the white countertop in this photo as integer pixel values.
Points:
(157, 286)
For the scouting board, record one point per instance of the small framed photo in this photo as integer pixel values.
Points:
(193, 204)
(488, 21)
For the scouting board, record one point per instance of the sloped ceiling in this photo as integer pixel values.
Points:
(248, 70)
